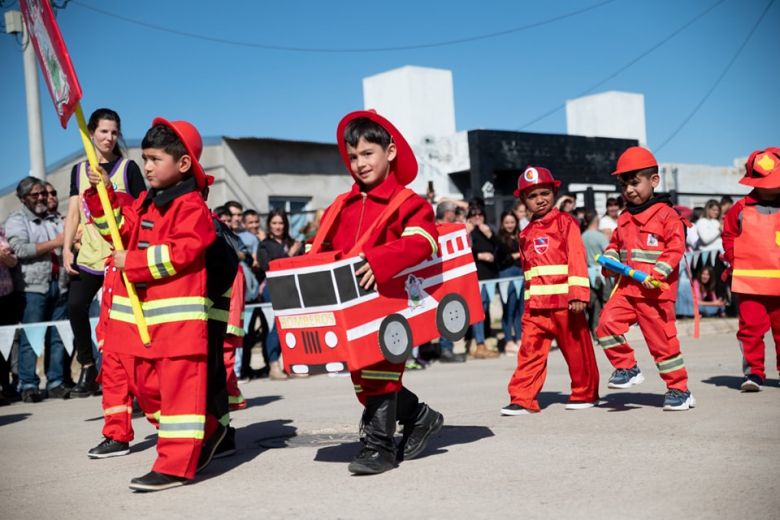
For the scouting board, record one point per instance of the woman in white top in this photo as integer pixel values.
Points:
(709, 227)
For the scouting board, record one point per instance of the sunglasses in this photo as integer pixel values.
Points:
(51, 193)
(37, 194)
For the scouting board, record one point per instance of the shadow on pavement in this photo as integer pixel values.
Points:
(624, 401)
(732, 382)
(250, 442)
(548, 398)
(149, 442)
(10, 419)
(262, 400)
(448, 436)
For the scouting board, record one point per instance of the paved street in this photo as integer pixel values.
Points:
(626, 459)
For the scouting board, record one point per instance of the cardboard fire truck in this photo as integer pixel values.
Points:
(328, 323)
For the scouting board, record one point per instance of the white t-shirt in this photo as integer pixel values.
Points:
(608, 223)
(709, 234)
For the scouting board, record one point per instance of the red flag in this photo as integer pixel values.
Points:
(53, 57)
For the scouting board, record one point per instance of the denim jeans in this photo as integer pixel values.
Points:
(43, 307)
(271, 345)
(478, 329)
(513, 308)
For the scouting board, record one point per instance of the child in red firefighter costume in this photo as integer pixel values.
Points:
(751, 240)
(118, 387)
(382, 163)
(166, 232)
(556, 294)
(233, 338)
(650, 237)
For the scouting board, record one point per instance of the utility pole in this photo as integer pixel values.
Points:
(14, 24)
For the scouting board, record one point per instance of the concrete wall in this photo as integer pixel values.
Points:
(709, 181)
(247, 170)
(609, 114)
(419, 101)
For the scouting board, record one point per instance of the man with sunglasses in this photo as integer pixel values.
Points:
(36, 239)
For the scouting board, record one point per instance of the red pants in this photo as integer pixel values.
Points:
(756, 315)
(177, 388)
(657, 322)
(571, 331)
(381, 378)
(116, 375)
(235, 398)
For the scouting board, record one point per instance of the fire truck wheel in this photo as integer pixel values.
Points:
(452, 317)
(395, 338)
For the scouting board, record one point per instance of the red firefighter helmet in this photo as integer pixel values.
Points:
(533, 177)
(762, 169)
(190, 138)
(635, 158)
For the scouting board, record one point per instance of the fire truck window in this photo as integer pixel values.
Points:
(345, 281)
(317, 289)
(283, 292)
(361, 291)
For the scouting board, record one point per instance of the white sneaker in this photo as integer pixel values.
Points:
(580, 405)
(751, 384)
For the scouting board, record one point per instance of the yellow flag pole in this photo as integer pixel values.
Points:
(135, 303)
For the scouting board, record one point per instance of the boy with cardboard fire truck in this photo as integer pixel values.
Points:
(557, 292)
(751, 240)
(650, 237)
(382, 163)
(167, 232)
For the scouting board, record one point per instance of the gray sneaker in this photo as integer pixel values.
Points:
(676, 400)
(626, 377)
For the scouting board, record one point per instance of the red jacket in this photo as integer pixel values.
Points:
(553, 259)
(165, 234)
(406, 240)
(652, 241)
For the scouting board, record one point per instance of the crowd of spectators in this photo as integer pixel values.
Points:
(34, 279)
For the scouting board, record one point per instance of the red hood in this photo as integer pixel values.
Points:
(404, 166)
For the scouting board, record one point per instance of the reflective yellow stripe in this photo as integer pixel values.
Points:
(153, 416)
(414, 230)
(235, 331)
(663, 268)
(164, 310)
(358, 389)
(101, 224)
(757, 273)
(123, 408)
(645, 256)
(611, 253)
(181, 426)
(219, 314)
(579, 281)
(546, 270)
(545, 290)
(670, 365)
(611, 341)
(235, 399)
(380, 375)
(158, 258)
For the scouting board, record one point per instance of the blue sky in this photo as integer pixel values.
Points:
(500, 82)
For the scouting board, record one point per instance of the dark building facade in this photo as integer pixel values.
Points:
(499, 157)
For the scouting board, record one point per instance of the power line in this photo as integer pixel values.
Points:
(343, 50)
(720, 77)
(630, 63)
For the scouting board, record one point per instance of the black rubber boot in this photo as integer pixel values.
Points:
(87, 385)
(420, 422)
(378, 427)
